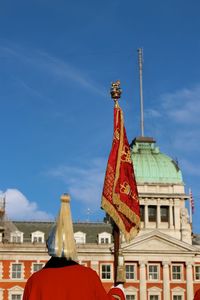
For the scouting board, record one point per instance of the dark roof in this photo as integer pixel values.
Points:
(28, 227)
(91, 229)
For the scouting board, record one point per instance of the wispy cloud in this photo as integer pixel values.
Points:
(183, 106)
(177, 124)
(18, 207)
(65, 70)
(53, 66)
(84, 183)
(28, 89)
(179, 114)
(152, 113)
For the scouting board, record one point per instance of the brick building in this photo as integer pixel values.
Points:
(162, 262)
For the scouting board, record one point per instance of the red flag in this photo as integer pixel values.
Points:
(120, 196)
(191, 201)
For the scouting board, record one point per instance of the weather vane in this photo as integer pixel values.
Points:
(115, 91)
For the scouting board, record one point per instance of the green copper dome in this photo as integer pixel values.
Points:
(151, 165)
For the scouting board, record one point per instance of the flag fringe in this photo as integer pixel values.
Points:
(126, 210)
(118, 221)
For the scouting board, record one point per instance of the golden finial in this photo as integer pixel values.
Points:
(65, 198)
(115, 91)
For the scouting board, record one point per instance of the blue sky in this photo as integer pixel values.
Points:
(57, 60)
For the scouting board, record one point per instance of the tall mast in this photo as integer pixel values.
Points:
(140, 62)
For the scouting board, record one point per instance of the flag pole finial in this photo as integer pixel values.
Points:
(115, 91)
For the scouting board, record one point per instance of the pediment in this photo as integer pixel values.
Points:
(157, 242)
(16, 288)
(79, 233)
(38, 232)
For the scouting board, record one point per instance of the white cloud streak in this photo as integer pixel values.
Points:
(53, 66)
(152, 113)
(64, 70)
(183, 106)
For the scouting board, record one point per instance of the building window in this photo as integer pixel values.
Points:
(197, 272)
(104, 241)
(177, 297)
(153, 272)
(16, 297)
(37, 237)
(104, 238)
(16, 271)
(16, 237)
(130, 271)
(164, 213)
(15, 293)
(130, 297)
(152, 211)
(106, 272)
(36, 267)
(142, 213)
(80, 237)
(176, 272)
(154, 297)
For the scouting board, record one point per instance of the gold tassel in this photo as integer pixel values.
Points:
(64, 240)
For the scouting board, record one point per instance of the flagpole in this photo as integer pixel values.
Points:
(116, 237)
(140, 61)
(115, 93)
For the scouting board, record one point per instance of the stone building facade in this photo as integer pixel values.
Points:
(161, 263)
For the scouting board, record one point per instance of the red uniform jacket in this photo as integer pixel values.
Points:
(66, 283)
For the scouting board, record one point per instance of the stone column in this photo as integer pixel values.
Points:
(146, 216)
(166, 282)
(143, 285)
(171, 223)
(177, 220)
(189, 281)
(158, 215)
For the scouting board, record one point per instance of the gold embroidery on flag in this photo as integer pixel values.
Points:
(126, 189)
(126, 155)
(109, 208)
(108, 185)
(117, 134)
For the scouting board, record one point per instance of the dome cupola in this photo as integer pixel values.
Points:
(152, 166)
